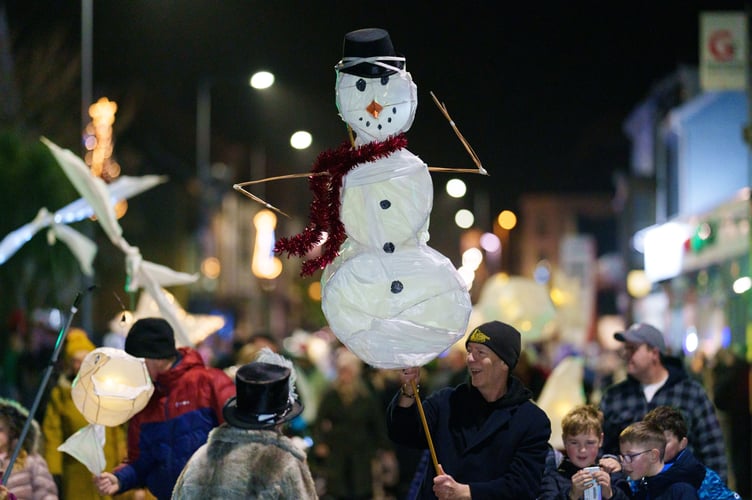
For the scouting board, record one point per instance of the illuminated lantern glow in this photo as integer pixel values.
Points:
(388, 296)
(197, 327)
(264, 264)
(562, 391)
(520, 302)
(111, 386)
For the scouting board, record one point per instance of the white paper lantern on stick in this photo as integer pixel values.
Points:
(111, 386)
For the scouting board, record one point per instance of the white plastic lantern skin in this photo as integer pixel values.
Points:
(562, 391)
(390, 298)
(111, 386)
(87, 446)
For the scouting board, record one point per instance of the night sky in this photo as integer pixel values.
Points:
(540, 91)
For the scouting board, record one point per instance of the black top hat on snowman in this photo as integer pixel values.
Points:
(263, 397)
(369, 53)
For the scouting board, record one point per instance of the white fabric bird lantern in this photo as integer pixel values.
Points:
(197, 327)
(111, 386)
(141, 273)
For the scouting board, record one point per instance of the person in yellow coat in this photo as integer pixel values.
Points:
(62, 419)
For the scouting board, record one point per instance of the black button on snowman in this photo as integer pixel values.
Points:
(389, 297)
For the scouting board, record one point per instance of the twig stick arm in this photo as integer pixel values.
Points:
(442, 107)
(425, 427)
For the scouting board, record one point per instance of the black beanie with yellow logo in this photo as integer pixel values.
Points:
(501, 338)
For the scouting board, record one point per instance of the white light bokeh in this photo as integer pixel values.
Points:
(464, 218)
(742, 284)
(262, 80)
(456, 188)
(467, 275)
(301, 139)
(490, 242)
(471, 258)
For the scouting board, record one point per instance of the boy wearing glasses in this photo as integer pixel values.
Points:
(657, 379)
(642, 448)
(680, 460)
(582, 434)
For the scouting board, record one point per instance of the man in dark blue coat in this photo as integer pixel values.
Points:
(490, 439)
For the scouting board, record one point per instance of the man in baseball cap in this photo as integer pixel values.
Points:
(643, 333)
(656, 379)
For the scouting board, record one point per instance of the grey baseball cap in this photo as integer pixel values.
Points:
(642, 333)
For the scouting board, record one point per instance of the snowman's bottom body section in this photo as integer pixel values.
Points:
(395, 310)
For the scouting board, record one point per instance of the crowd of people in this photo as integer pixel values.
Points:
(237, 429)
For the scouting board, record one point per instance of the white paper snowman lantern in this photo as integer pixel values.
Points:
(390, 298)
(111, 386)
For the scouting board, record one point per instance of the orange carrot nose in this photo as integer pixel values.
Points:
(374, 109)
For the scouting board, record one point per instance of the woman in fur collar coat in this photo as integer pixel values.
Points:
(248, 456)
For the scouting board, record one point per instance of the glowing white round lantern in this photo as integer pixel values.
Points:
(111, 386)
(521, 302)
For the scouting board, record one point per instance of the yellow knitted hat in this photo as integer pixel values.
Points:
(77, 341)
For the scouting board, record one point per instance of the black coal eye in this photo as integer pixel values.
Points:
(360, 85)
(384, 80)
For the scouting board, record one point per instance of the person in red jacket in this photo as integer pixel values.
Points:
(186, 405)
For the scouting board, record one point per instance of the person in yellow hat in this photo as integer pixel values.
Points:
(62, 419)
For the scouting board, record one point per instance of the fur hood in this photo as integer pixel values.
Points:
(245, 463)
(15, 417)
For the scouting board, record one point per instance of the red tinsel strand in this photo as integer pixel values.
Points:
(337, 233)
(304, 242)
(324, 210)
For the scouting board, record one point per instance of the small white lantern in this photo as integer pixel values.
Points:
(562, 391)
(521, 302)
(111, 386)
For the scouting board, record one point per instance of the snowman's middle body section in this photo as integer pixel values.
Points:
(390, 298)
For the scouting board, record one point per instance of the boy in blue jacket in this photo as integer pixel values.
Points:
(642, 447)
(680, 458)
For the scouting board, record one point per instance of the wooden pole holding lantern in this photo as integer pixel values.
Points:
(425, 427)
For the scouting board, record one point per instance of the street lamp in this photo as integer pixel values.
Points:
(260, 80)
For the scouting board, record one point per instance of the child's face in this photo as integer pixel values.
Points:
(4, 436)
(674, 446)
(636, 460)
(582, 449)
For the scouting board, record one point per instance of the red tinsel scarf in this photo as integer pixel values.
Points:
(323, 213)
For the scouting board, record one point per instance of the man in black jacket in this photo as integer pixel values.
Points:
(490, 439)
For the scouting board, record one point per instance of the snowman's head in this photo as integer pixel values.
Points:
(374, 93)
